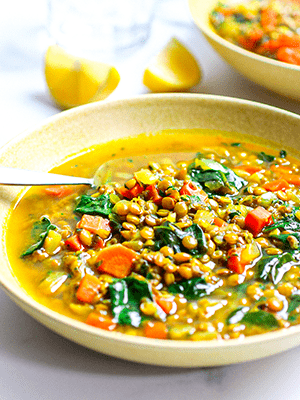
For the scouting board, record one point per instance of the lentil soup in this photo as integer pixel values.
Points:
(199, 249)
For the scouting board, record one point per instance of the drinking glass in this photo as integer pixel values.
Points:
(100, 29)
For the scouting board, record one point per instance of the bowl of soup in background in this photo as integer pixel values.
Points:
(277, 76)
(75, 131)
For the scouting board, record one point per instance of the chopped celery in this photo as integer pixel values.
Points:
(53, 281)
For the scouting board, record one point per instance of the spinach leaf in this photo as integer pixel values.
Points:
(290, 222)
(143, 269)
(116, 222)
(240, 18)
(236, 144)
(214, 176)
(213, 181)
(196, 232)
(168, 234)
(233, 213)
(194, 288)
(236, 315)
(39, 232)
(260, 318)
(265, 266)
(294, 303)
(284, 239)
(274, 267)
(265, 157)
(126, 295)
(286, 261)
(282, 154)
(242, 288)
(94, 205)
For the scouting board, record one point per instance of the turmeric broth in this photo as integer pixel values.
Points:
(201, 248)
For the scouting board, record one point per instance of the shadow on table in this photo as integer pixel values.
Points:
(45, 100)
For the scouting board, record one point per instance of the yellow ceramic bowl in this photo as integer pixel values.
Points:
(280, 77)
(71, 131)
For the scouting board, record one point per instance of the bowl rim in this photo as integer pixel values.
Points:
(207, 30)
(25, 301)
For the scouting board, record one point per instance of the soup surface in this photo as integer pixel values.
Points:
(204, 247)
(267, 27)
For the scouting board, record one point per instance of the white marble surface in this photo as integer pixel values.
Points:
(37, 364)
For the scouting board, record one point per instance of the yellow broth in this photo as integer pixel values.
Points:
(204, 269)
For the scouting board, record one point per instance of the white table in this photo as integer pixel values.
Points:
(37, 364)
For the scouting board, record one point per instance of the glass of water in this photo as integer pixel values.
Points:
(100, 29)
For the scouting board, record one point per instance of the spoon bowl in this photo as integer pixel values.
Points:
(116, 170)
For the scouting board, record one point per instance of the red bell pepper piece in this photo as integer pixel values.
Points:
(257, 219)
(234, 262)
(153, 194)
(191, 189)
(131, 193)
(74, 243)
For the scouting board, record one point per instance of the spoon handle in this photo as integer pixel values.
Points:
(23, 177)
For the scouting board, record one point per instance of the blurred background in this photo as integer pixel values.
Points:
(24, 39)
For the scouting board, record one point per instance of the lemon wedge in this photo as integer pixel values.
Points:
(74, 81)
(174, 69)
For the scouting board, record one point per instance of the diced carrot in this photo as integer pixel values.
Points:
(289, 55)
(268, 18)
(273, 45)
(131, 193)
(166, 303)
(251, 169)
(99, 243)
(191, 189)
(94, 224)
(89, 286)
(153, 194)
(257, 219)
(256, 34)
(156, 330)
(249, 41)
(278, 184)
(234, 262)
(226, 11)
(289, 41)
(58, 190)
(293, 179)
(219, 222)
(279, 169)
(74, 243)
(116, 260)
(101, 321)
